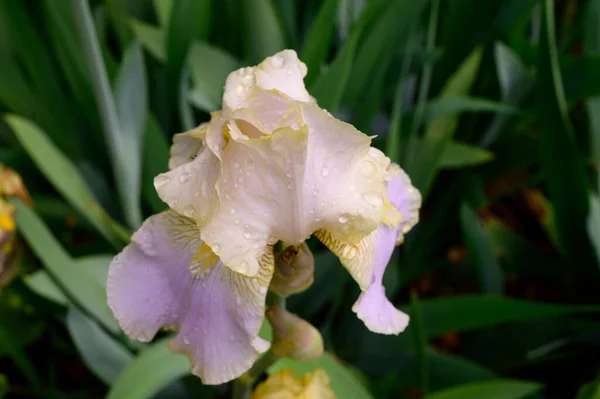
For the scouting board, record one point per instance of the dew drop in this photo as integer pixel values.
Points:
(277, 62)
(243, 267)
(367, 168)
(172, 202)
(161, 180)
(233, 210)
(342, 219)
(185, 177)
(373, 199)
(324, 172)
(251, 164)
(262, 289)
(290, 186)
(238, 300)
(239, 90)
(381, 318)
(186, 340)
(189, 211)
(361, 210)
(247, 235)
(216, 248)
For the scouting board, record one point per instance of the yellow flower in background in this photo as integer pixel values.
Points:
(11, 185)
(284, 384)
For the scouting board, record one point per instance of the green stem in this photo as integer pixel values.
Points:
(104, 100)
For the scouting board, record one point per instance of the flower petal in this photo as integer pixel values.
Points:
(189, 188)
(372, 306)
(283, 72)
(167, 277)
(186, 146)
(288, 185)
(405, 198)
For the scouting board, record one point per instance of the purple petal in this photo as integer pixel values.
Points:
(168, 278)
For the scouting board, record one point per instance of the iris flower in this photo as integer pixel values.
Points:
(284, 384)
(270, 166)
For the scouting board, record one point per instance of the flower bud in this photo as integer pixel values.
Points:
(294, 270)
(294, 337)
(285, 384)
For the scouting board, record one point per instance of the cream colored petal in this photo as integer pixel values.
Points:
(186, 146)
(283, 72)
(190, 188)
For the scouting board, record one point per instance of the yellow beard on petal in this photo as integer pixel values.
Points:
(204, 259)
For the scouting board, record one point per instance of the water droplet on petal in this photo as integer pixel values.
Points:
(373, 199)
(232, 210)
(290, 186)
(342, 219)
(172, 202)
(236, 221)
(367, 168)
(247, 235)
(185, 177)
(324, 172)
(243, 267)
(189, 211)
(239, 90)
(186, 340)
(216, 248)
(251, 164)
(277, 62)
(262, 289)
(161, 180)
(381, 318)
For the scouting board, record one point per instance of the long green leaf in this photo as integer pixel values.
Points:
(79, 285)
(343, 382)
(319, 39)
(62, 174)
(102, 354)
(459, 155)
(153, 369)
(501, 389)
(156, 158)
(152, 38)
(262, 28)
(447, 106)
(566, 180)
(131, 98)
(425, 164)
(481, 252)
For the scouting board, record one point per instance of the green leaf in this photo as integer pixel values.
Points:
(104, 356)
(500, 389)
(210, 67)
(331, 84)
(151, 37)
(426, 162)
(19, 356)
(343, 382)
(155, 162)
(510, 69)
(481, 252)
(460, 155)
(593, 224)
(76, 281)
(318, 40)
(62, 174)
(163, 10)
(153, 369)
(420, 341)
(566, 180)
(467, 313)
(590, 390)
(42, 284)
(263, 34)
(131, 100)
(591, 46)
(448, 106)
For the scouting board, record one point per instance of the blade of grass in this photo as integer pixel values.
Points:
(319, 39)
(114, 134)
(64, 176)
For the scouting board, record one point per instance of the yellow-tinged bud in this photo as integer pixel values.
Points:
(284, 384)
(294, 270)
(293, 337)
(11, 185)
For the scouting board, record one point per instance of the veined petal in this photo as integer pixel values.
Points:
(190, 188)
(288, 185)
(186, 146)
(283, 72)
(367, 260)
(168, 278)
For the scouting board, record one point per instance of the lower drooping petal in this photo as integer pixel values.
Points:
(168, 278)
(367, 260)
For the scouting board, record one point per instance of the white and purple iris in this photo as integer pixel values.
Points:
(270, 166)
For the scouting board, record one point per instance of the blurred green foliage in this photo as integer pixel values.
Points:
(492, 107)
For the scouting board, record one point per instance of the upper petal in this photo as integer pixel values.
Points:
(168, 278)
(283, 72)
(288, 185)
(186, 146)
